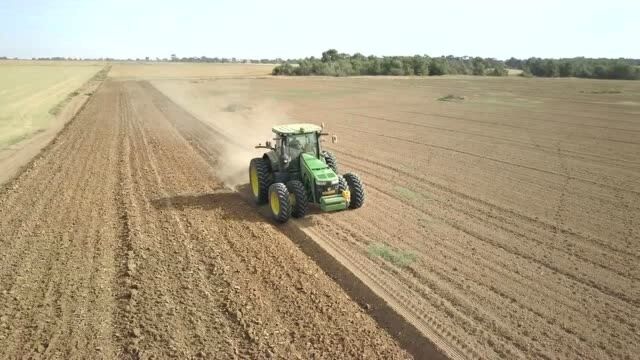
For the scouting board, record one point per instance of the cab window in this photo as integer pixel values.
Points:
(298, 144)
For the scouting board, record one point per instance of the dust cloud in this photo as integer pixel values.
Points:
(241, 115)
(245, 126)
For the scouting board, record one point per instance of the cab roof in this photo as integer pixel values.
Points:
(290, 129)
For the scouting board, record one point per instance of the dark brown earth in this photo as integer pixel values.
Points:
(119, 241)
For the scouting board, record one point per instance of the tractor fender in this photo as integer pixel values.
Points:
(272, 158)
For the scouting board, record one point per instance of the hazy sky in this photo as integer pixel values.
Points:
(291, 29)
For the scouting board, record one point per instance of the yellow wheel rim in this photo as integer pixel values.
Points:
(275, 203)
(253, 177)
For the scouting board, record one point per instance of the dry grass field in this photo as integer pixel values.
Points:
(30, 90)
(501, 221)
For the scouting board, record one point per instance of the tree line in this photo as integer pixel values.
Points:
(623, 69)
(333, 63)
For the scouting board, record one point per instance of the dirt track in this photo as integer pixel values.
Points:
(119, 242)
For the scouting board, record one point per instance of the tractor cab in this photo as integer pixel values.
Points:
(293, 140)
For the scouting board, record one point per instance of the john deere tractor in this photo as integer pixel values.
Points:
(296, 171)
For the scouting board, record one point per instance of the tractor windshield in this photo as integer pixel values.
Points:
(302, 143)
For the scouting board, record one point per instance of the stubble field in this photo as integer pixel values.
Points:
(30, 90)
(501, 222)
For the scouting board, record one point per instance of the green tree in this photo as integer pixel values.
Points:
(566, 69)
(330, 55)
(478, 66)
(437, 66)
(419, 65)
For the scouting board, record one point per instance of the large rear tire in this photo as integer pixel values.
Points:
(297, 198)
(259, 176)
(279, 202)
(331, 160)
(356, 188)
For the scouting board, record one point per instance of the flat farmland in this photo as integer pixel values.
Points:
(118, 241)
(502, 223)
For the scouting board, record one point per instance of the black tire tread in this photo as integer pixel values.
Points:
(342, 183)
(331, 160)
(356, 187)
(296, 188)
(264, 179)
(283, 196)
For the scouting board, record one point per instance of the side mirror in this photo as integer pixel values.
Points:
(334, 139)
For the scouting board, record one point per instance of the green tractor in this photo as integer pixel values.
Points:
(296, 171)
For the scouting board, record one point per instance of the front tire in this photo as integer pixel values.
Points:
(356, 188)
(297, 198)
(342, 184)
(279, 202)
(330, 160)
(259, 176)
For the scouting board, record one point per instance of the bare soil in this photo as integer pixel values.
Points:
(119, 242)
(511, 215)
(500, 225)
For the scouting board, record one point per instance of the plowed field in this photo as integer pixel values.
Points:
(119, 242)
(502, 224)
